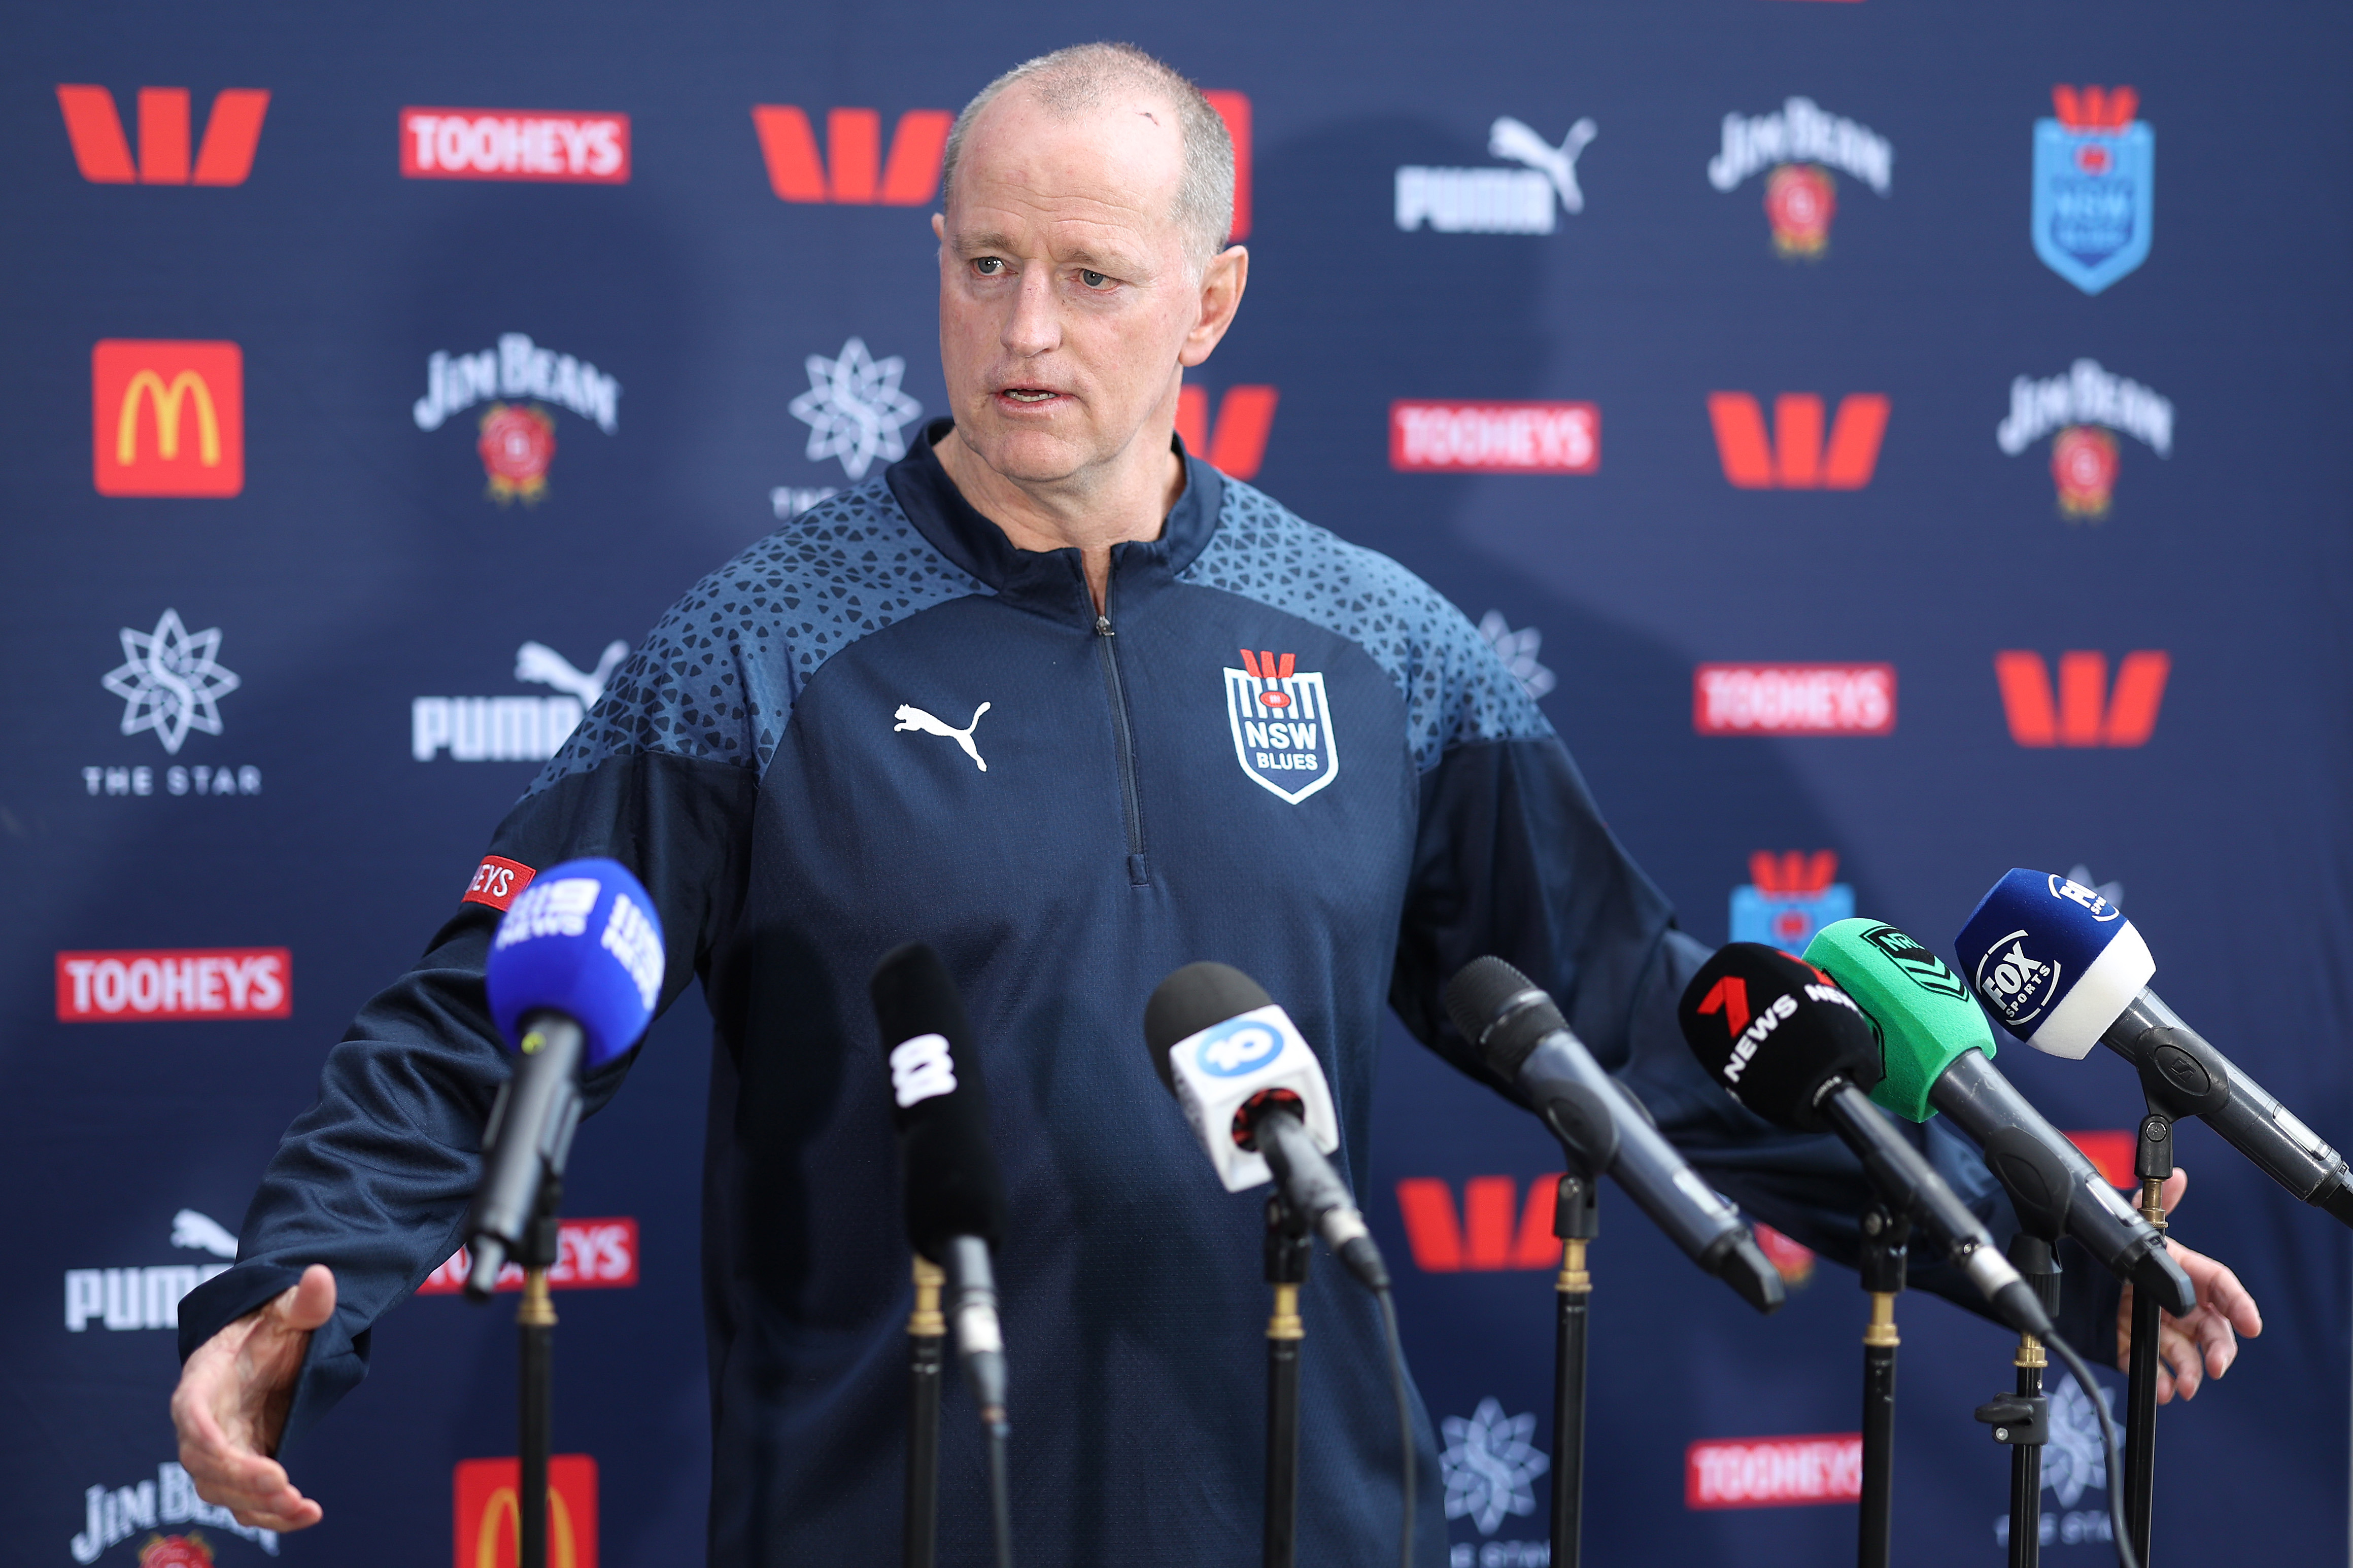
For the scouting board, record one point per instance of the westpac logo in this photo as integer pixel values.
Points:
(1494, 200)
(488, 1518)
(514, 145)
(167, 418)
(1491, 1230)
(1802, 144)
(1236, 444)
(2086, 407)
(2084, 709)
(1788, 897)
(102, 153)
(1794, 457)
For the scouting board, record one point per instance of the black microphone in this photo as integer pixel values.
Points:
(1258, 1100)
(947, 1168)
(1793, 1047)
(1521, 1036)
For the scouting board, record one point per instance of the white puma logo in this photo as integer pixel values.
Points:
(910, 717)
(1508, 138)
(538, 663)
(203, 1233)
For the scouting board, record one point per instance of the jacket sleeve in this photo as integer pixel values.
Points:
(375, 1179)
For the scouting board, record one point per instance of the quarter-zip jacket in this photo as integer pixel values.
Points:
(883, 723)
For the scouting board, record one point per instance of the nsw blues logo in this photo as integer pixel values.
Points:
(2095, 175)
(1282, 727)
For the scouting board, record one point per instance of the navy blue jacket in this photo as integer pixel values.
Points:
(1129, 800)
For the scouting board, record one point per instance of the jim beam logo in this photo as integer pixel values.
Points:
(1925, 969)
(1282, 725)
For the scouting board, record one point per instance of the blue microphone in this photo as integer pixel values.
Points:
(573, 974)
(2059, 966)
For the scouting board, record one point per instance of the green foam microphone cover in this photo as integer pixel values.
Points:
(1926, 1014)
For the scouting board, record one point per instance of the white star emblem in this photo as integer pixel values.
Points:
(2076, 1459)
(854, 409)
(169, 682)
(1517, 650)
(1489, 1464)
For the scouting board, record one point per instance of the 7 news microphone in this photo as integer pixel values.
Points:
(1793, 1047)
(2059, 965)
(1524, 1039)
(574, 972)
(1937, 1051)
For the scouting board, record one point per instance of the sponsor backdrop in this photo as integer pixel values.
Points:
(1803, 397)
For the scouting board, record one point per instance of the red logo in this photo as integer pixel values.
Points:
(1773, 1472)
(514, 145)
(590, 1254)
(1245, 415)
(497, 881)
(1493, 1230)
(2083, 711)
(2095, 108)
(2111, 1153)
(1504, 438)
(103, 154)
(2083, 465)
(1792, 1261)
(1795, 458)
(176, 1551)
(487, 1515)
(1794, 698)
(1730, 996)
(517, 444)
(167, 418)
(1800, 199)
(141, 985)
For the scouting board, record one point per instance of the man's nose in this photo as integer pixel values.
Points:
(1035, 327)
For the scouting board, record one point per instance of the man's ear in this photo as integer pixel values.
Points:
(940, 227)
(1222, 282)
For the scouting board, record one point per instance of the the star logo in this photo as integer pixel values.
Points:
(2075, 1460)
(1489, 1465)
(1518, 650)
(854, 409)
(169, 681)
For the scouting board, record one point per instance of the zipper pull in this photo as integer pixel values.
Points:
(1102, 627)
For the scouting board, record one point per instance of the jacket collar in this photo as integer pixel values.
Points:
(959, 530)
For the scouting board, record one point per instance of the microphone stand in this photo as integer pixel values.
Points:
(2022, 1418)
(927, 1329)
(535, 1329)
(2153, 1163)
(1288, 1249)
(1576, 1220)
(1885, 1237)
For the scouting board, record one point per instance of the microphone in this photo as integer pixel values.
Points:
(2059, 965)
(1791, 1046)
(947, 1168)
(573, 975)
(1937, 1052)
(1521, 1036)
(1258, 1101)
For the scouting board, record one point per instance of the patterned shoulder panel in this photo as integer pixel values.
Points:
(717, 678)
(1456, 689)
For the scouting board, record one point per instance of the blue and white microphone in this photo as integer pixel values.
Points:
(573, 974)
(2059, 966)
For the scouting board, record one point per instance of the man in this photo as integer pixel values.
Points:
(990, 700)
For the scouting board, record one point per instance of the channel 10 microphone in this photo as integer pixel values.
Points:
(1258, 1101)
(948, 1167)
(1938, 1053)
(575, 971)
(1520, 1034)
(2059, 966)
(1786, 1043)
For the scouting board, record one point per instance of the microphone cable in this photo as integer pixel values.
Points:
(1001, 1492)
(2082, 1376)
(1404, 1424)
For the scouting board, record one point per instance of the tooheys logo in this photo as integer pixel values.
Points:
(2085, 712)
(1237, 443)
(1773, 1472)
(102, 153)
(488, 1518)
(1794, 698)
(1502, 437)
(1922, 967)
(497, 881)
(1793, 458)
(167, 418)
(2017, 986)
(514, 145)
(136, 985)
(590, 1254)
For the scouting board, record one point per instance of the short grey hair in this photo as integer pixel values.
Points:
(1072, 80)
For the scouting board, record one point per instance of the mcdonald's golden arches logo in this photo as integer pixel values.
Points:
(488, 1516)
(167, 418)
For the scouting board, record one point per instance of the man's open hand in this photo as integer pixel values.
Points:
(231, 1404)
(2203, 1344)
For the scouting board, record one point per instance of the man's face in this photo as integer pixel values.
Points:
(1068, 301)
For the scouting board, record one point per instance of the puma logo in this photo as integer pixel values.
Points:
(1509, 138)
(910, 717)
(203, 1233)
(538, 663)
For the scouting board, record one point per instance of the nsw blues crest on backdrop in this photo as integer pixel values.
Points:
(2094, 179)
(1282, 727)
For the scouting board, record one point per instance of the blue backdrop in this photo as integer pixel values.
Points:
(484, 330)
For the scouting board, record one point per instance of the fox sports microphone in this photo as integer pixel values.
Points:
(1521, 1036)
(574, 974)
(2059, 966)
(955, 1197)
(1938, 1056)
(1791, 1046)
(1258, 1101)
